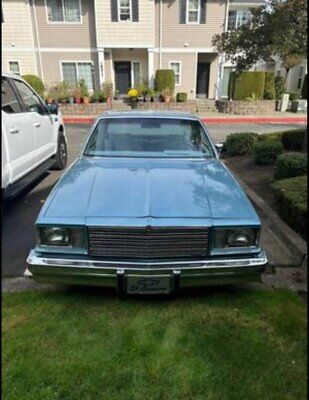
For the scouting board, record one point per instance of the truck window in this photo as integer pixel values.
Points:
(9, 101)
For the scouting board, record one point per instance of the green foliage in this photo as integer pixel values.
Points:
(269, 88)
(165, 78)
(270, 136)
(279, 87)
(290, 165)
(304, 88)
(249, 84)
(240, 143)
(291, 202)
(276, 28)
(36, 83)
(266, 152)
(97, 96)
(107, 89)
(294, 139)
(83, 88)
(181, 97)
(293, 96)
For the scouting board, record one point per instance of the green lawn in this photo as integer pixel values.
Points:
(212, 344)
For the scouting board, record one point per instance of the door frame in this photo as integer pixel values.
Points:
(129, 73)
(197, 95)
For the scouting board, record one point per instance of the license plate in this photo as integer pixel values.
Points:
(140, 284)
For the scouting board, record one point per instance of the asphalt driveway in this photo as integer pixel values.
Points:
(18, 233)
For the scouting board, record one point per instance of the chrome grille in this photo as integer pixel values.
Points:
(145, 243)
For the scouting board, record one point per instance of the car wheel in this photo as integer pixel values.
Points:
(61, 156)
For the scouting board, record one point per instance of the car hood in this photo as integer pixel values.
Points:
(121, 189)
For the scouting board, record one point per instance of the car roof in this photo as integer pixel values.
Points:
(149, 114)
(10, 75)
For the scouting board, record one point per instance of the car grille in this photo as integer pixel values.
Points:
(143, 243)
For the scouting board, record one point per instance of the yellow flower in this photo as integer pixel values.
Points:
(133, 93)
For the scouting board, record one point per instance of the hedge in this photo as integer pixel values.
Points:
(240, 143)
(290, 165)
(270, 136)
(291, 202)
(269, 89)
(279, 87)
(181, 97)
(247, 84)
(165, 78)
(293, 96)
(294, 139)
(266, 152)
(304, 88)
(36, 83)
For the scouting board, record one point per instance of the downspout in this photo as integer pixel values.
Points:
(38, 40)
(223, 55)
(160, 35)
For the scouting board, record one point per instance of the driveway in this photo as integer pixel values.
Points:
(19, 215)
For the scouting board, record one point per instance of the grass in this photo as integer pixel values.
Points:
(212, 344)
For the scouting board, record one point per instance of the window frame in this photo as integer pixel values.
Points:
(18, 62)
(132, 71)
(237, 11)
(14, 90)
(65, 22)
(180, 68)
(77, 74)
(300, 77)
(198, 13)
(119, 12)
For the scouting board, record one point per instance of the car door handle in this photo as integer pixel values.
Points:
(14, 130)
(37, 124)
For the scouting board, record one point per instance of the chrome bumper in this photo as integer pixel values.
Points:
(113, 274)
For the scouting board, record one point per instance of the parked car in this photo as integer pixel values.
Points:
(33, 136)
(148, 207)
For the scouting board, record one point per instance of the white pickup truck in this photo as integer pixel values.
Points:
(33, 136)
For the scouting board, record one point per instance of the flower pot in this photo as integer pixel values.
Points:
(78, 100)
(167, 99)
(86, 100)
(64, 101)
(71, 100)
(147, 99)
(50, 100)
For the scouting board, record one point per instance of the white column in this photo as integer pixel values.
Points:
(101, 65)
(151, 67)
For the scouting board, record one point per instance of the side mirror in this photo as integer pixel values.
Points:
(52, 108)
(219, 147)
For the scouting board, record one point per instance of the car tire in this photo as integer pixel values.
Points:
(61, 156)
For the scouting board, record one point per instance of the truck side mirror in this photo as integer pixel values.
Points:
(52, 108)
(219, 147)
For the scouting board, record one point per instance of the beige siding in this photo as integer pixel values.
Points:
(124, 33)
(52, 64)
(176, 35)
(70, 35)
(25, 59)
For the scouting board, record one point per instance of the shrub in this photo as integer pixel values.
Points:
(270, 136)
(248, 84)
(83, 88)
(266, 152)
(36, 83)
(304, 88)
(293, 96)
(165, 78)
(181, 97)
(240, 143)
(107, 89)
(279, 86)
(97, 96)
(290, 165)
(291, 202)
(269, 89)
(293, 139)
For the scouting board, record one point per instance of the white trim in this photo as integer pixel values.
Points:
(15, 61)
(108, 45)
(38, 40)
(160, 35)
(151, 68)
(192, 50)
(198, 13)
(195, 79)
(180, 68)
(64, 22)
(130, 10)
(69, 49)
(101, 66)
(32, 37)
(112, 68)
(77, 76)
(132, 71)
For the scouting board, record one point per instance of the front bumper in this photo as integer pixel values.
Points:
(214, 271)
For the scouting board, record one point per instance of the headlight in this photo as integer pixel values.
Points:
(236, 237)
(61, 236)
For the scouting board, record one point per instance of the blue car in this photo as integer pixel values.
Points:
(148, 207)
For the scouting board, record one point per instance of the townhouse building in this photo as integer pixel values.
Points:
(125, 42)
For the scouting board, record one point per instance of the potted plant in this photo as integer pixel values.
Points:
(77, 95)
(51, 95)
(133, 96)
(149, 94)
(107, 92)
(156, 96)
(95, 97)
(116, 95)
(84, 91)
(167, 95)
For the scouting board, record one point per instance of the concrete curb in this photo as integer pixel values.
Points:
(209, 120)
(290, 238)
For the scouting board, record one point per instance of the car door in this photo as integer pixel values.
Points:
(17, 133)
(43, 124)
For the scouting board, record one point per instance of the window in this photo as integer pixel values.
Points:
(300, 77)
(10, 103)
(175, 66)
(237, 18)
(193, 11)
(124, 10)
(63, 10)
(29, 98)
(14, 67)
(136, 68)
(73, 72)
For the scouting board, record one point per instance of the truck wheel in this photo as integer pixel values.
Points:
(61, 156)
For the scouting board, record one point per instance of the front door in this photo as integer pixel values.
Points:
(122, 76)
(202, 81)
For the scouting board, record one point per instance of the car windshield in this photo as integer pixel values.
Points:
(148, 137)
